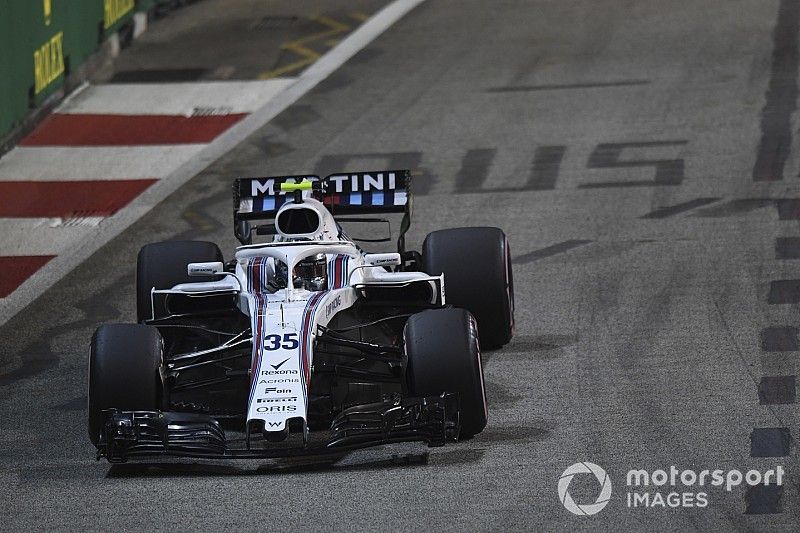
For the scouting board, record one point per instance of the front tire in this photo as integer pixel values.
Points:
(163, 265)
(444, 356)
(124, 361)
(476, 263)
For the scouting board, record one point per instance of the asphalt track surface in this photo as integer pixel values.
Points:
(640, 157)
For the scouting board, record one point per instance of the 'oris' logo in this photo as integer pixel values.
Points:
(277, 409)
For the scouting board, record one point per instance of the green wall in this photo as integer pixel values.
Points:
(42, 40)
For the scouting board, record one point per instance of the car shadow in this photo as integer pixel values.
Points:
(358, 460)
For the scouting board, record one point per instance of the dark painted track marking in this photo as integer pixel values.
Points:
(763, 499)
(665, 212)
(474, 169)
(779, 339)
(784, 291)
(777, 390)
(560, 86)
(667, 171)
(548, 251)
(771, 156)
(788, 209)
(770, 442)
(781, 97)
(787, 248)
(545, 168)
(476, 164)
(735, 207)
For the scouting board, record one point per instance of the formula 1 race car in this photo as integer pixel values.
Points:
(306, 344)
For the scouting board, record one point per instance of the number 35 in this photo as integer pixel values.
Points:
(273, 342)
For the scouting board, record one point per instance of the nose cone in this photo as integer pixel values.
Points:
(276, 436)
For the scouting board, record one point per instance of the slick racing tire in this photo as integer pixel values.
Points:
(476, 263)
(443, 355)
(163, 265)
(124, 362)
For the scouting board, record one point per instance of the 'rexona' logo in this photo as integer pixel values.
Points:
(589, 508)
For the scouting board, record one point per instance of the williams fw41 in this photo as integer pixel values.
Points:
(304, 344)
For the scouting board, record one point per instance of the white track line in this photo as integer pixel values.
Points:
(176, 98)
(43, 236)
(67, 163)
(34, 286)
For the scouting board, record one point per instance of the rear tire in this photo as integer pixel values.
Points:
(476, 263)
(124, 361)
(163, 265)
(444, 356)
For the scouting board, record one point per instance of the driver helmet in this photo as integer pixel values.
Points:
(310, 273)
(313, 271)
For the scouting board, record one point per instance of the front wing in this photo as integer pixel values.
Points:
(128, 434)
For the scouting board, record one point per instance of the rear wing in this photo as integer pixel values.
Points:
(351, 193)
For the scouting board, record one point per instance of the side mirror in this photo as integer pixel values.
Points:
(392, 259)
(205, 269)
